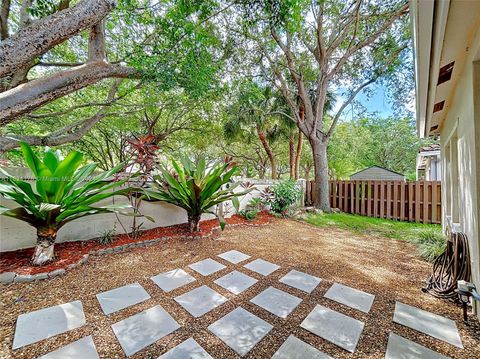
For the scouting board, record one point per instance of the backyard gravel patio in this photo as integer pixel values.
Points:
(374, 272)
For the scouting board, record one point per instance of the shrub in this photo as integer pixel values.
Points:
(431, 243)
(62, 194)
(281, 196)
(196, 188)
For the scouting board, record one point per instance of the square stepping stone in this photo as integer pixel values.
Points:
(350, 297)
(200, 300)
(300, 280)
(276, 301)
(48, 322)
(399, 347)
(234, 256)
(335, 327)
(235, 282)
(81, 349)
(119, 298)
(240, 330)
(207, 266)
(262, 267)
(431, 324)
(294, 348)
(173, 279)
(143, 329)
(188, 349)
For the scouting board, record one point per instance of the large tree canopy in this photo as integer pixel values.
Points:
(249, 79)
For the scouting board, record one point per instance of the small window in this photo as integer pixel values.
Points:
(445, 73)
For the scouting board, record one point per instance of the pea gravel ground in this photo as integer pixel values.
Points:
(387, 268)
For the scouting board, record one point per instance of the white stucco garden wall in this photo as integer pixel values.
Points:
(15, 234)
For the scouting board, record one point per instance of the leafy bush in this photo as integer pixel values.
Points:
(281, 196)
(431, 243)
(107, 236)
(196, 188)
(62, 194)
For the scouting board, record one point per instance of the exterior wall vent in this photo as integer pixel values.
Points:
(438, 106)
(445, 73)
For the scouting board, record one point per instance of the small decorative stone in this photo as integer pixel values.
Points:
(20, 278)
(7, 277)
(56, 273)
(40, 276)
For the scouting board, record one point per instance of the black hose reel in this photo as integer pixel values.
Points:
(451, 272)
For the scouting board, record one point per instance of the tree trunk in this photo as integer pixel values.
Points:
(263, 139)
(320, 161)
(42, 35)
(44, 250)
(298, 155)
(291, 145)
(194, 223)
(30, 96)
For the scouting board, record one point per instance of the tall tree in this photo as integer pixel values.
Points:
(255, 111)
(311, 47)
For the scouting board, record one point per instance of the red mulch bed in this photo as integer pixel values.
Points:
(71, 252)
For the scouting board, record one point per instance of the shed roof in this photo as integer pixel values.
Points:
(383, 168)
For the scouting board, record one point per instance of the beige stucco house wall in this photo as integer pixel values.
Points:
(447, 61)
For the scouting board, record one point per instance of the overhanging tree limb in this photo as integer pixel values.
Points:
(18, 50)
(345, 104)
(31, 95)
(66, 134)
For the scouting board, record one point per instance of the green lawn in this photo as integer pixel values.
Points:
(428, 237)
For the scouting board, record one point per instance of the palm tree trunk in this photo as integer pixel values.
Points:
(298, 155)
(44, 250)
(263, 139)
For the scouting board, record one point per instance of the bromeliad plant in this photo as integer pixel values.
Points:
(197, 187)
(63, 192)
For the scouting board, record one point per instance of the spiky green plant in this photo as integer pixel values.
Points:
(197, 187)
(63, 192)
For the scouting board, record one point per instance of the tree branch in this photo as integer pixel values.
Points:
(345, 104)
(4, 15)
(30, 96)
(66, 134)
(38, 37)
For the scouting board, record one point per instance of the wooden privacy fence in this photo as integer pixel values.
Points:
(418, 201)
